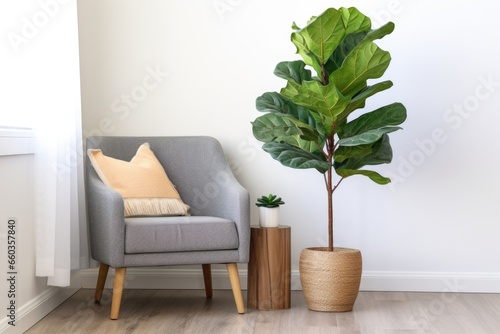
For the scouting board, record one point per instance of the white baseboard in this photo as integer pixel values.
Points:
(33, 311)
(431, 281)
(168, 278)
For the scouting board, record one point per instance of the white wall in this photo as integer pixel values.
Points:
(435, 226)
(32, 298)
(16, 202)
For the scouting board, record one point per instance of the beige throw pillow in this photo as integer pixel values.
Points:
(142, 182)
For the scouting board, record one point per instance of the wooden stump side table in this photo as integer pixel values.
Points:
(269, 268)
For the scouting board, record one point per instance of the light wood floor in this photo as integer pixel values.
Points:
(188, 311)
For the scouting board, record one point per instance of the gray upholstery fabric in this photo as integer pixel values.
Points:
(180, 258)
(179, 234)
(198, 169)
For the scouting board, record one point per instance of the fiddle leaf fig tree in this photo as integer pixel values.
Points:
(308, 124)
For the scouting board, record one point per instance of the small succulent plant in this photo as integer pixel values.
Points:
(270, 201)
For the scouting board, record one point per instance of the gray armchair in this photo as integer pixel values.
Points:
(217, 232)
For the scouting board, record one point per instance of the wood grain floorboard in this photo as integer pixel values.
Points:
(189, 311)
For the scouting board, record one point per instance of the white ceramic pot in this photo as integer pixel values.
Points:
(269, 217)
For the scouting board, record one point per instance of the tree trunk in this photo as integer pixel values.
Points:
(330, 209)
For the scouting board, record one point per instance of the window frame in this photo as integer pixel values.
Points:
(16, 141)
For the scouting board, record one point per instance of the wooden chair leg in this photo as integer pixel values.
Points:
(119, 283)
(101, 280)
(234, 278)
(207, 278)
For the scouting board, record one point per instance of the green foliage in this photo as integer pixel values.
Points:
(270, 201)
(307, 124)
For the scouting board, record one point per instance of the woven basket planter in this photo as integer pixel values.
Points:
(330, 280)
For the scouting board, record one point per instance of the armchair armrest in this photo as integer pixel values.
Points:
(233, 202)
(221, 195)
(106, 222)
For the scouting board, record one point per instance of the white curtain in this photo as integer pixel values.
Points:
(61, 234)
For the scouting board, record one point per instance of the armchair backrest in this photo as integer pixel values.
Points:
(195, 165)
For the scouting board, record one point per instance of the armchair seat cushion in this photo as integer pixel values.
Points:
(179, 234)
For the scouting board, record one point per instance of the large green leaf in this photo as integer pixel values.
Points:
(389, 115)
(294, 157)
(367, 137)
(320, 98)
(355, 157)
(276, 103)
(342, 153)
(366, 61)
(381, 152)
(318, 40)
(380, 32)
(293, 70)
(325, 100)
(308, 146)
(358, 101)
(374, 176)
(277, 127)
(353, 40)
(354, 21)
(343, 50)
